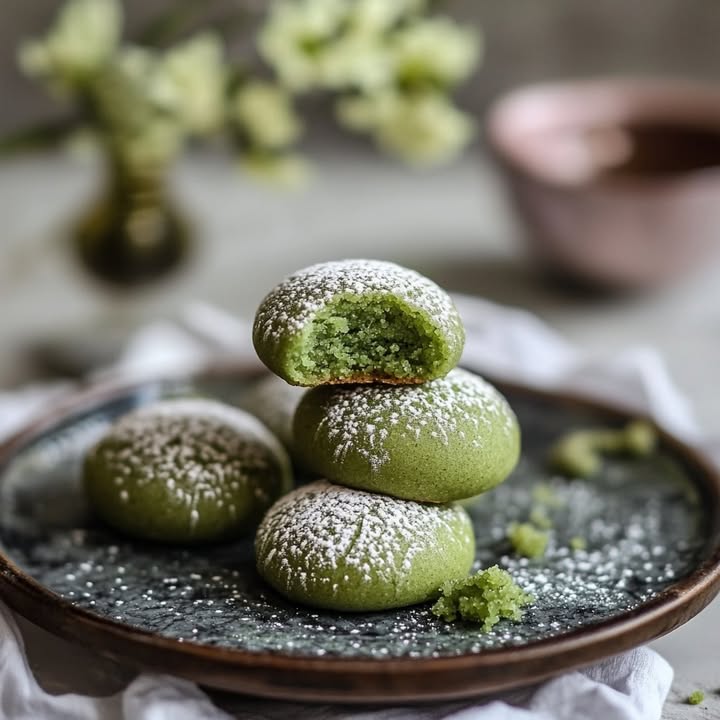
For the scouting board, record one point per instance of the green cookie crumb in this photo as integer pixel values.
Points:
(580, 453)
(578, 543)
(540, 519)
(484, 598)
(695, 697)
(527, 540)
(576, 455)
(641, 438)
(544, 495)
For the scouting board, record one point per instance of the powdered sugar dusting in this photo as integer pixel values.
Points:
(643, 519)
(463, 405)
(289, 307)
(320, 529)
(200, 450)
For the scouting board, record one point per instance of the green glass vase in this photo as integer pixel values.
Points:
(133, 234)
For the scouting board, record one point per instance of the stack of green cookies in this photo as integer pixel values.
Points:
(394, 429)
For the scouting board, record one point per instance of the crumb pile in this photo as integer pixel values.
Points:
(580, 453)
(485, 598)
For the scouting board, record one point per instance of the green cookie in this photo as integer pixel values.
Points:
(186, 471)
(332, 547)
(273, 401)
(358, 321)
(445, 440)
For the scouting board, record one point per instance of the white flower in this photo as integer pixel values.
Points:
(377, 16)
(331, 44)
(134, 109)
(424, 129)
(83, 38)
(137, 70)
(365, 112)
(193, 75)
(421, 129)
(363, 45)
(295, 36)
(131, 88)
(434, 52)
(286, 170)
(356, 61)
(265, 113)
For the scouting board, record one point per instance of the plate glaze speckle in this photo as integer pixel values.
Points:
(642, 520)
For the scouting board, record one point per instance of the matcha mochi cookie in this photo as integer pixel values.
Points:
(185, 471)
(341, 549)
(445, 440)
(273, 401)
(358, 321)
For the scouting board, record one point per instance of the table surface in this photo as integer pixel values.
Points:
(454, 224)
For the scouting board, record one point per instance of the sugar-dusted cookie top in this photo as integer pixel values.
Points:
(186, 470)
(447, 439)
(358, 321)
(343, 549)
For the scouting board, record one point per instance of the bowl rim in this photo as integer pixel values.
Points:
(650, 99)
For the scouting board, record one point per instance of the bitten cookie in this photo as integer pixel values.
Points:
(186, 471)
(358, 321)
(341, 549)
(447, 439)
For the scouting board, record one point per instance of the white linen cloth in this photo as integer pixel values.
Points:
(502, 342)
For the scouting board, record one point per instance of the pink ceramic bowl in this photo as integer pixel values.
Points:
(618, 180)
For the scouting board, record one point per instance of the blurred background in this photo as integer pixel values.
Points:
(527, 41)
(457, 222)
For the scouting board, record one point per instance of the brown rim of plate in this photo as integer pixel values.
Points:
(350, 680)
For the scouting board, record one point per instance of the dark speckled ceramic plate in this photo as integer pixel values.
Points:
(652, 530)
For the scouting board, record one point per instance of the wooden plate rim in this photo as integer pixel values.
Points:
(331, 679)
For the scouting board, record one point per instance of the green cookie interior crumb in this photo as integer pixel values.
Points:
(641, 438)
(695, 697)
(544, 495)
(575, 455)
(484, 598)
(527, 540)
(364, 335)
(578, 543)
(539, 518)
(579, 453)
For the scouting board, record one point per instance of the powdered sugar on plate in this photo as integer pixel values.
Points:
(643, 521)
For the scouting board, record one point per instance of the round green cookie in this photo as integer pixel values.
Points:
(445, 440)
(273, 401)
(341, 549)
(358, 321)
(186, 471)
